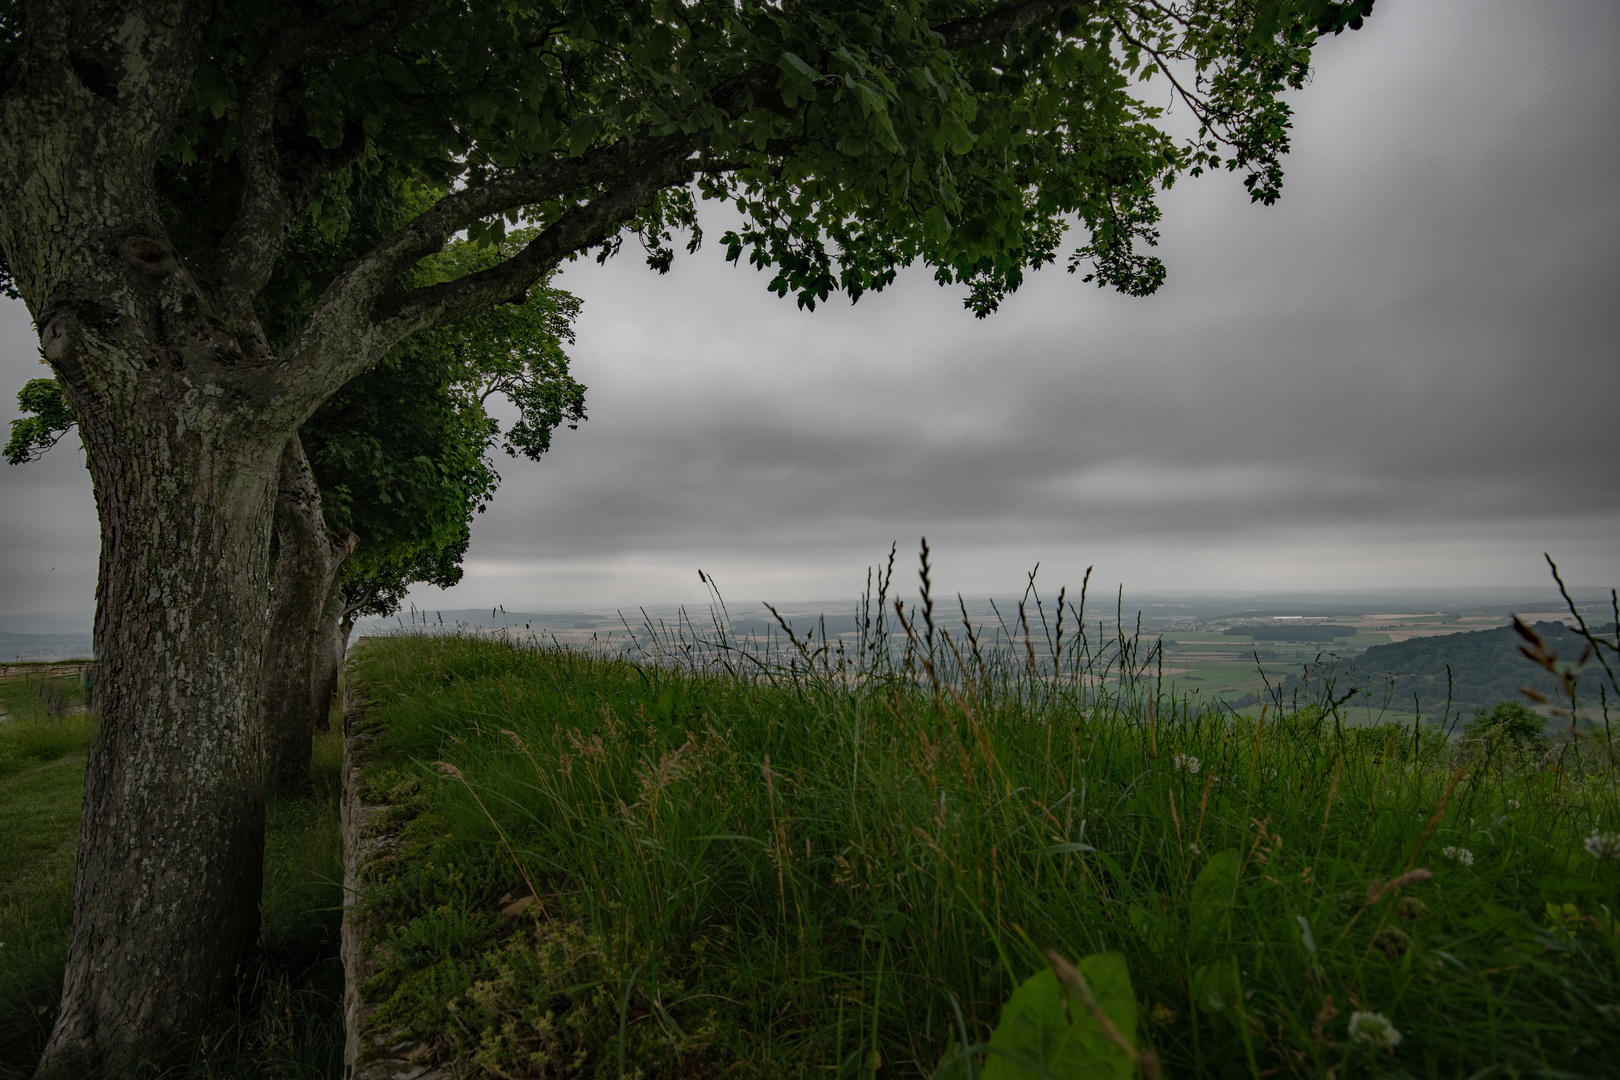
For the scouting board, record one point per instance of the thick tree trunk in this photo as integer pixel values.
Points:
(184, 414)
(298, 662)
(165, 904)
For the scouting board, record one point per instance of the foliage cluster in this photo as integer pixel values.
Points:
(828, 862)
(853, 138)
(1509, 720)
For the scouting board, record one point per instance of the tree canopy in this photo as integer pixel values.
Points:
(853, 138)
(402, 452)
(46, 418)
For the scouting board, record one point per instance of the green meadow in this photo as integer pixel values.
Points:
(839, 859)
(698, 857)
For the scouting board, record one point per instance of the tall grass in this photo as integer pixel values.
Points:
(42, 744)
(838, 858)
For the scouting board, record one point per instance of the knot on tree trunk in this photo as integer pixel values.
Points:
(148, 255)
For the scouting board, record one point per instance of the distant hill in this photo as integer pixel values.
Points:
(1486, 667)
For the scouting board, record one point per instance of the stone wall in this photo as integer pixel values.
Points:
(367, 839)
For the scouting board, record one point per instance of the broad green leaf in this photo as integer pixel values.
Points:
(1033, 1025)
(792, 63)
(1110, 980)
(581, 134)
(1039, 1026)
(1212, 894)
(959, 138)
(1150, 927)
(1215, 986)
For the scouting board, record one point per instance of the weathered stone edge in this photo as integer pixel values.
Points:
(367, 836)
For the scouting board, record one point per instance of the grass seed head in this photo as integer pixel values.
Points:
(1392, 941)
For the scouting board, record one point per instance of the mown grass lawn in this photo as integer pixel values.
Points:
(841, 868)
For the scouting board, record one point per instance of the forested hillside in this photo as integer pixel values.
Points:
(1486, 667)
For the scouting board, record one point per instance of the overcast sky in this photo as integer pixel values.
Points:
(1404, 374)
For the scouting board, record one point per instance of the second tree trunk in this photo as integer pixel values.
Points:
(300, 658)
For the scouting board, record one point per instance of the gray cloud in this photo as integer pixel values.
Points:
(1403, 374)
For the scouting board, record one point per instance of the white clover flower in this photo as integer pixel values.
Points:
(1602, 845)
(1461, 855)
(1513, 804)
(1187, 764)
(1195, 849)
(1373, 1029)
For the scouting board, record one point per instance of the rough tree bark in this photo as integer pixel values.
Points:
(330, 647)
(345, 630)
(173, 826)
(183, 416)
(298, 660)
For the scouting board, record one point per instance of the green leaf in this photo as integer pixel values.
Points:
(581, 134)
(1212, 894)
(53, 417)
(1033, 1025)
(1150, 927)
(1215, 987)
(792, 63)
(959, 138)
(1110, 980)
(1043, 1026)
(885, 129)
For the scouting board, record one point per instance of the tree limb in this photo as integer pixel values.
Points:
(277, 186)
(351, 325)
(402, 314)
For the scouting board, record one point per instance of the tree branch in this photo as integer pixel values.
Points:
(277, 186)
(352, 327)
(349, 323)
(1210, 124)
(399, 315)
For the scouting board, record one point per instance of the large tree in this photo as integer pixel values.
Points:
(853, 137)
